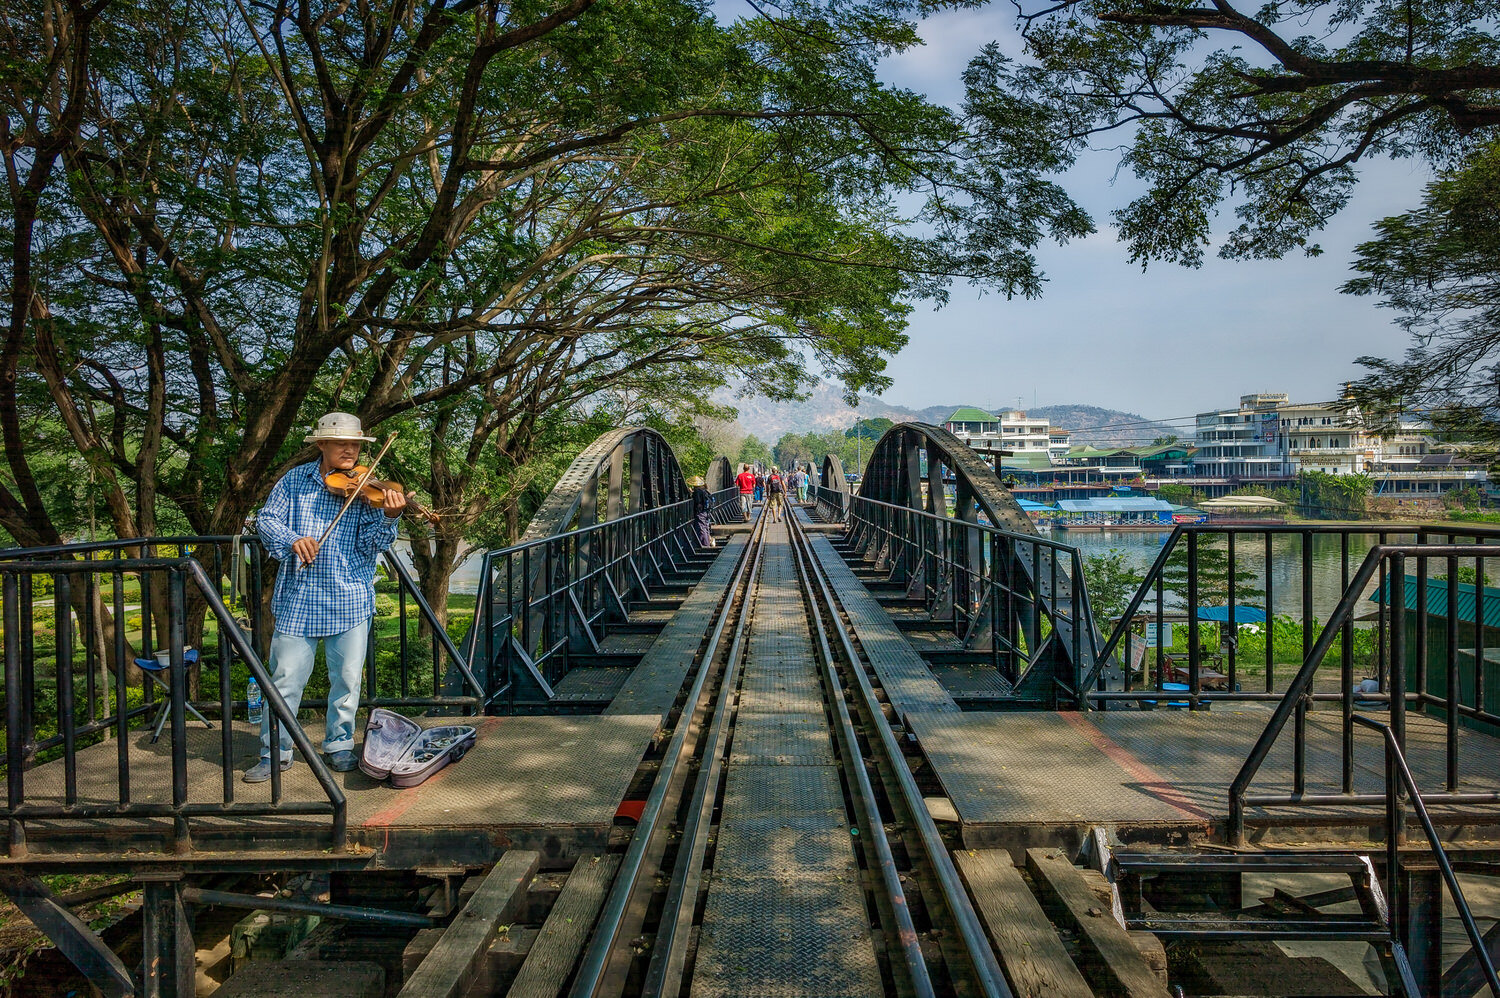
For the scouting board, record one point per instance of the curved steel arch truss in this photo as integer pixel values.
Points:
(982, 564)
(720, 474)
(832, 474)
(615, 532)
(633, 465)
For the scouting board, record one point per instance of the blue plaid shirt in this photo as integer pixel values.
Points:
(337, 591)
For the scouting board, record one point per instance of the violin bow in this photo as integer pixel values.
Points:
(354, 493)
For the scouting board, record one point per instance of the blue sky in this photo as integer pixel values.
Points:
(1164, 343)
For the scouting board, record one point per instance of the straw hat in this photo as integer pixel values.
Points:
(696, 480)
(337, 426)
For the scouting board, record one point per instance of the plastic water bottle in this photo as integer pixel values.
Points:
(253, 701)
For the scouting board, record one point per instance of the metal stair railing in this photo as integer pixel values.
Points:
(1265, 543)
(540, 600)
(1399, 779)
(1385, 560)
(1021, 595)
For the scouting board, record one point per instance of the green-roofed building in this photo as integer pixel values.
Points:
(1027, 461)
(1477, 610)
(1165, 460)
(968, 421)
(1118, 463)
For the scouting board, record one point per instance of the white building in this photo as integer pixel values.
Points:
(1317, 436)
(1058, 442)
(1011, 430)
(1268, 436)
(1241, 442)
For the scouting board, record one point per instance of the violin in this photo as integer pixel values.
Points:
(342, 483)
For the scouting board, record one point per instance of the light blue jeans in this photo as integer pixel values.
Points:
(291, 664)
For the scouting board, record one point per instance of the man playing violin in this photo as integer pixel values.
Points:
(324, 592)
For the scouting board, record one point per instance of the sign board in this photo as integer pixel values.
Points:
(1154, 637)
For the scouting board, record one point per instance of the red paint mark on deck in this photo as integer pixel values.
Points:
(1150, 780)
(391, 814)
(632, 809)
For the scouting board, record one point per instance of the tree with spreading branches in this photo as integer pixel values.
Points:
(1263, 106)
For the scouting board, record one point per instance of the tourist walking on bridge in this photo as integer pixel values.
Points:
(746, 481)
(802, 485)
(325, 590)
(702, 503)
(775, 494)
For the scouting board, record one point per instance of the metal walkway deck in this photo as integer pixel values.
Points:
(786, 912)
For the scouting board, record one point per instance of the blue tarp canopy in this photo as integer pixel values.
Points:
(1242, 614)
(1028, 505)
(1127, 504)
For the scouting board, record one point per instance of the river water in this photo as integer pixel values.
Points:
(1141, 548)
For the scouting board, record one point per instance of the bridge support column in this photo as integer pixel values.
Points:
(166, 940)
(1419, 917)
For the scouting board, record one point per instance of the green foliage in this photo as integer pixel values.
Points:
(1438, 268)
(1469, 497)
(473, 228)
(1335, 497)
(1111, 583)
(1179, 494)
(1212, 576)
(1265, 107)
(753, 451)
(869, 429)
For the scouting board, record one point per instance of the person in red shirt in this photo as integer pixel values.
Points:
(746, 481)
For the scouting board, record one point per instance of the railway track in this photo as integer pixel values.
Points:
(785, 847)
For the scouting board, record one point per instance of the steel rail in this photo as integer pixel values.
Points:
(987, 972)
(859, 778)
(594, 967)
(674, 928)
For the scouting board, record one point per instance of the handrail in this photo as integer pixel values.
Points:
(988, 528)
(1398, 775)
(1299, 685)
(459, 659)
(281, 712)
(562, 582)
(1296, 697)
(1003, 566)
(178, 570)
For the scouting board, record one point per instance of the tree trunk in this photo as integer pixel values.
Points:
(435, 559)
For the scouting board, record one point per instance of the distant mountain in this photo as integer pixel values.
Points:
(824, 410)
(1104, 427)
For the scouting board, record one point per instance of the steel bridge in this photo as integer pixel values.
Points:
(882, 745)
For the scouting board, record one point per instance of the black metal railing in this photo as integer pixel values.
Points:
(1313, 563)
(1409, 642)
(544, 602)
(1018, 597)
(831, 505)
(77, 616)
(1399, 784)
(239, 570)
(95, 792)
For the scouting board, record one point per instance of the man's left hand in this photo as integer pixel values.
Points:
(395, 502)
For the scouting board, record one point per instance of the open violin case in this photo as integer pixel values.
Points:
(400, 749)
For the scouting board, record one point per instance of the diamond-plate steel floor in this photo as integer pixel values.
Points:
(523, 773)
(903, 673)
(785, 913)
(652, 686)
(1131, 767)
